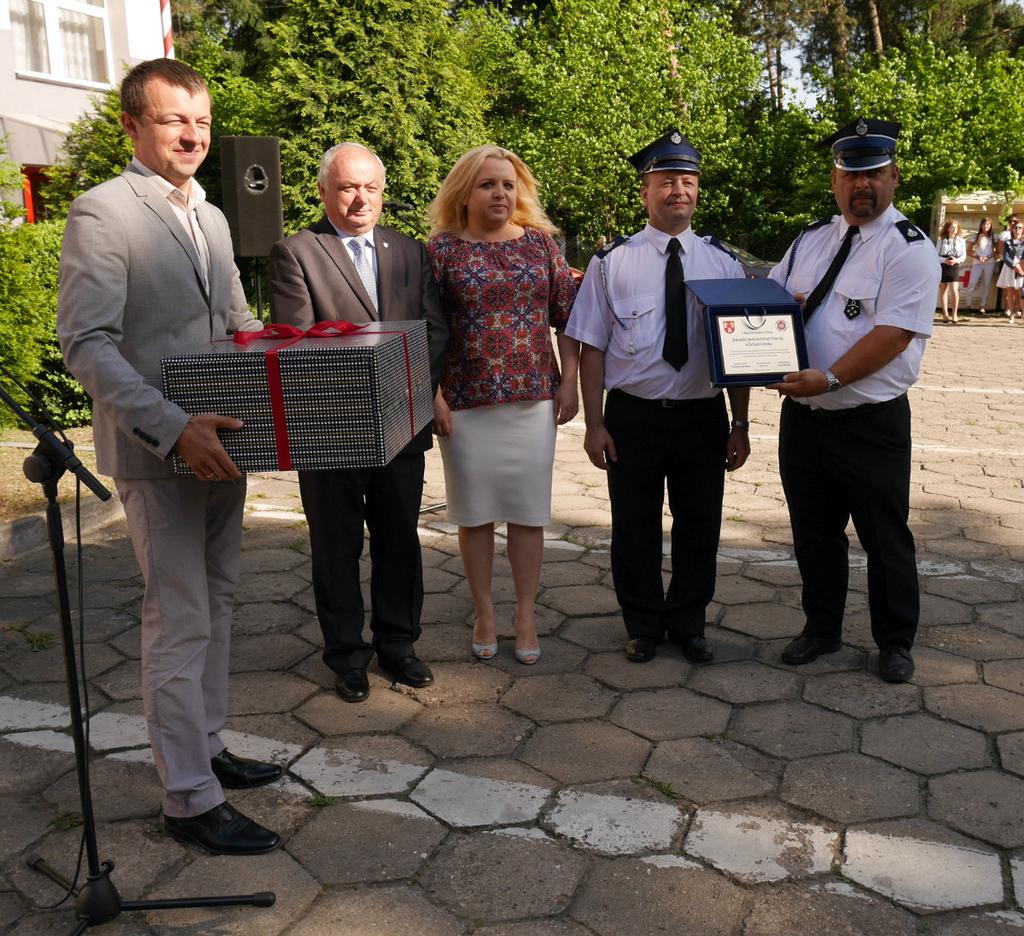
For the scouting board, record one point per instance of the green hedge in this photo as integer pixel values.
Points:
(29, 260)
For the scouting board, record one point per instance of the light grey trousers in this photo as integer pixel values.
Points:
(187, 536)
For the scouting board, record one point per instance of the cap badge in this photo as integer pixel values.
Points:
(862, 128)
(676, 138)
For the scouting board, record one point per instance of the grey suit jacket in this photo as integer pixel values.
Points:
(131, 292)
(313, 279)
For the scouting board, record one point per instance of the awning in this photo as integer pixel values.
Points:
(32, 141)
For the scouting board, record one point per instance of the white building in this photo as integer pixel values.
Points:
(55, 55)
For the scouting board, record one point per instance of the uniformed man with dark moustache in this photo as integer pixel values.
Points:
(867, 279)
(663, 422)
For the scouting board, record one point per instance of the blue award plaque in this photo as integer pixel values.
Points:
(754, 329)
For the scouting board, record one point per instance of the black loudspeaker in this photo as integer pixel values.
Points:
(250, 169)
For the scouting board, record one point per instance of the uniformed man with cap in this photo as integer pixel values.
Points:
(663, 421)
(867, 279)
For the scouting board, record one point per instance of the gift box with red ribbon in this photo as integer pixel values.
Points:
(336, 396)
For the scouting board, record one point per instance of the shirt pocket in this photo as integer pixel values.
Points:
(856, 285)
(637, 325)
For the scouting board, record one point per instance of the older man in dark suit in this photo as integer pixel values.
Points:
(345, 267)
(147, 271)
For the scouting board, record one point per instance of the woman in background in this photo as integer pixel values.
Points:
(982, 249)
(1011, 268)
(504, 285)
(952, 255)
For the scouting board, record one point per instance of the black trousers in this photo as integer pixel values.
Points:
(684, 447)
(336, 504)
(852, 464)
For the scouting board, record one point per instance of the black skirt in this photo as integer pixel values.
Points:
(950, 274)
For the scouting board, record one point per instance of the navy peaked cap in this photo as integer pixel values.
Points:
(671, 152)
(863, 144)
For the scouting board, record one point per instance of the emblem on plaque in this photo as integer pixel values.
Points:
(781, 324)
(729, 327)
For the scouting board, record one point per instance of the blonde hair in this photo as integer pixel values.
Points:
(448, 209)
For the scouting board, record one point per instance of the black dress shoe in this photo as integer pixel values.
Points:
(696, 649)
(807, 648)
(352, 685)
(895, 664)
(641, 649)
(240, 773)
(223, 830)
(408, 670)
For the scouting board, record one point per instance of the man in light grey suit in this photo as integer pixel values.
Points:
(146, 271)
(348, 267)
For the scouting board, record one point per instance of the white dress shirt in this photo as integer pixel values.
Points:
(632, 332)
(893, 279)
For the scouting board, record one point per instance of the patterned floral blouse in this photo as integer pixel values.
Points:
(501, 299)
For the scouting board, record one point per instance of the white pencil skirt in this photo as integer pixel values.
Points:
(497, 464)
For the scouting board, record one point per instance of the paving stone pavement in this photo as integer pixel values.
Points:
(586, 794)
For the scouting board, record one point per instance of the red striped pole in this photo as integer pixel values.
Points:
(165, 21)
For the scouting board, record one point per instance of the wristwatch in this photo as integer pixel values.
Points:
(833, 381)
(741, 424)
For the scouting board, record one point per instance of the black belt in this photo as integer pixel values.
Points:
(699, 403)
(865, 409)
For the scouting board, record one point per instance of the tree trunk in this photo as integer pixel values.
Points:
(840, 44)
(876, 29)
(773, 74)
(780, 73)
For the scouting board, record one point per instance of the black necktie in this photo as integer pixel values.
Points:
(675, 350)
(822, 289)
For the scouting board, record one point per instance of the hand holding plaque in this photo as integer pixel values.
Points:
(754, 330)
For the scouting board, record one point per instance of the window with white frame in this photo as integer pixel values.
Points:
(64, 39)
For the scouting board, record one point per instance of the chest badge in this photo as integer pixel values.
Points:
(852, 309)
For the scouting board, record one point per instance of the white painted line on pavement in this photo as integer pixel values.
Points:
(614, 825)
(997, 391)
(923, 875)
(465, 802)
(673, 861)
(760, 849)
(919, 874)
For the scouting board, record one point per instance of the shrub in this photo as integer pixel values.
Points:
(29, 260)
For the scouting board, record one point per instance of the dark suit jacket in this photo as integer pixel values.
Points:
(313, 279)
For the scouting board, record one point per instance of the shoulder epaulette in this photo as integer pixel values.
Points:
(814, 225)
(715, 242)
(910, 231)
(608, 248)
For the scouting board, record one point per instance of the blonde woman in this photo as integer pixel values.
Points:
(504, 284)
(952, 254)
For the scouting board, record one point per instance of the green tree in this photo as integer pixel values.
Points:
(29, 259)
(588, 82)
(391, 74)
(240, 26)
(958, 134)
(10, 184)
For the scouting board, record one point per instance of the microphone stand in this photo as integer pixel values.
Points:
(97, 901)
